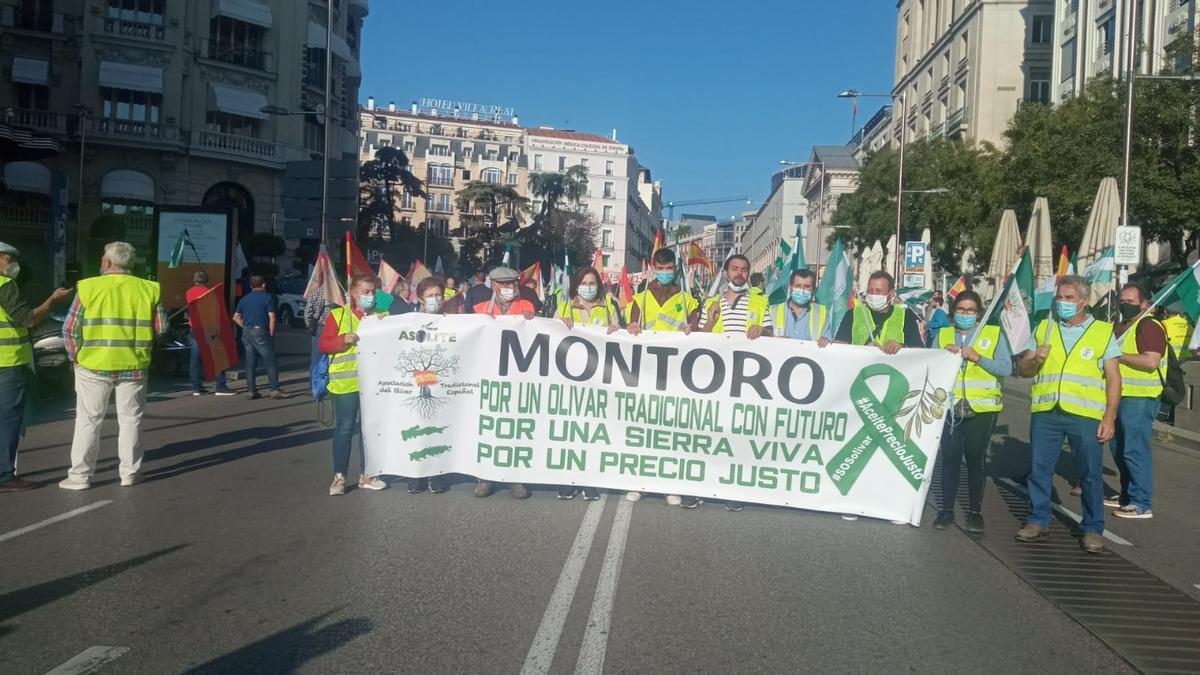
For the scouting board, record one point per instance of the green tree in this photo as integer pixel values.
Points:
(482, 205)
(556, 190)
(381, 181)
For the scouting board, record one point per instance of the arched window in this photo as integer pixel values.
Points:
(491, 176)
(236, 199)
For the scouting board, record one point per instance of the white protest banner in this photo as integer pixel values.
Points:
(772, 421)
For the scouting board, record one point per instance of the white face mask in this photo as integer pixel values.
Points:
(433, 304)
(877, 302)
(13, 269)
(507, 294)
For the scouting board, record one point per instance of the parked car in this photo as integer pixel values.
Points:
(291, 301)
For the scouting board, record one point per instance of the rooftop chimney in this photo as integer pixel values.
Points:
(516, 121)
(474, 117)
(614, 134)
(391, 106)
(370, 103)
(433, 111)
(413, 108)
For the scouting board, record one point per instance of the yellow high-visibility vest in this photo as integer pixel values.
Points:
(756, 311)
(672, 315)
(863, 325)
(1137, 383)
(343, 366)
(600, 315)
(1178, 331)
(817, 316)
(1074, 381)
(979, 388)
(15, 347)
(118, 322)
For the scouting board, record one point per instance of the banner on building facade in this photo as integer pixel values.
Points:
(771, 421)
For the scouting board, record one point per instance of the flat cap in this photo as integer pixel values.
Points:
(504, 274)
(9, 249)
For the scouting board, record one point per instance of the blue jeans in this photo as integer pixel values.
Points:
(1131, 450)
(259, 344)
(345, 425)
(196, 368)
(1046, 434)
(13, 385)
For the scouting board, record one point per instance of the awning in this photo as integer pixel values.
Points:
(22, 144)
(249, 11)
(316, 38)
(129, 76)
(31, 71)
(126, 184)
(236, 101)
(27, 177)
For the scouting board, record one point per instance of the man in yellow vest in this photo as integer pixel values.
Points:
(1076, 392)
(1143, 364)
(16, 361)
(737, 310)
(876, 320)
(1179, 334)
(799, 318)
(110, 333)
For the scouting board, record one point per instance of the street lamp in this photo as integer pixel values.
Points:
(856, 94)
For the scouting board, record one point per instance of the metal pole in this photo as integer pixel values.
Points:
(79, 198)
(821, 215)
(900, 186)
(1129, 74)
(328, 117)
(425, 255)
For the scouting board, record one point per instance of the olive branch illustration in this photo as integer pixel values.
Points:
(928, 408)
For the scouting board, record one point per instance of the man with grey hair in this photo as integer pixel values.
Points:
(109, 334)
(195, 364)
(1076, 393)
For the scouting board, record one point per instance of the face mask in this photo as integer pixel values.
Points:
(1066, 310)
(13, 270)
(738, 288)
(507, 294)
(877, 302)
(801, 296)
(664, 278)
(965, 321)
(433, 304)
(588, 292)
(1129, 311)
(366, 302)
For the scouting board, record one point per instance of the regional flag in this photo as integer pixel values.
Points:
(177, 250)
(836, 291)
(1183, 293)
(1012, 305)
(209, 319)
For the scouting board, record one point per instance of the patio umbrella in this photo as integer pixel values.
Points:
(1101, 234)
(928, 271)
(1037, 238)
(891, 258)
(1006, 248)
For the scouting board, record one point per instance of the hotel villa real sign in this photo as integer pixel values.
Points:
(443, 105)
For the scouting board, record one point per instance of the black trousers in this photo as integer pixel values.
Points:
(968, 441)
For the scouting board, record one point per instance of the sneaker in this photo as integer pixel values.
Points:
(632, 496)
(224, 392)
(371, 483)
(1132, 511)
(1091, 542)
(974, 522)
(437, 485)
(567, 492)
(279, 395)
(1113, 501)
(254, 396)
(591, 495)
(416, 486)
(1076, 491)
(674, 500)
(733, 507)
(944, 520)
(338, 487)
(199, 392)
(519, 491)
(690, 502)
(483, 489)
(75, 484)
(130, 481)
(849, 516)
(1031, 533)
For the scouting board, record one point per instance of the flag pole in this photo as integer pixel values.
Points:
(349, 264)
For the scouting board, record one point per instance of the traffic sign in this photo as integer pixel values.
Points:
(1128, 250)
(913, 281)
(915, 253)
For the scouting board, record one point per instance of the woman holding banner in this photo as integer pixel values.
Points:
(587, 305)
(340, 341)
(975, 402)
(431, 299)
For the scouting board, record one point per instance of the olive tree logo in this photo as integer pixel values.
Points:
(426, 366)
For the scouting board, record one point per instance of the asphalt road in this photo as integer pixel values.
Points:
(233, 558)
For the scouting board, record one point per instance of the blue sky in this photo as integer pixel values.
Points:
(711, 95)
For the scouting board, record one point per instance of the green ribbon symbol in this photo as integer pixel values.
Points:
(881, 431)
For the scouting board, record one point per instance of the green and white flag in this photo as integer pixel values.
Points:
(837, 284)
(1183, 293)
(1101, 273)
(177, 250)
(913, 297)
(790, 259)
(1013, 304)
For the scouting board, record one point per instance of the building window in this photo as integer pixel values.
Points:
(1068, 60)
(126, 104)
(608, 168)
(239, 43)
(314, 67)
(606, 261)
(439, 203)
(608, 190)
(406, 200)
(1108, 34)
(409, 147)
(1041, 30)
(491, 176)
(1039, 85)
(314, 134)
(606, 239)
(466, 175)
(562, 163)
(439, 150)
(537, 162)
(514, 156)
(584, 163)
(36, 15)
(439, 226)
(32, 96)
(135, 11)
(946, 63)
(441, 175)
(608, 215)
(512, 179)
(964, 46)
(237, 125)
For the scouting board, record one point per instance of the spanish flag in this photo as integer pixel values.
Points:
(1064, 264)
(209, 319)
(958, 287)
(658, 242)
(696, 257)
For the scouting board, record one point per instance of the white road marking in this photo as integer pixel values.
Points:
(545, 642)
(50, 521)
(89, 660)
(1059, 508)
(595, 639)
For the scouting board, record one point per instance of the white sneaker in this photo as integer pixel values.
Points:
(74, 484)
(632, 496)
(338, 487)
(1113, 501)
(132, 480)
(674, 500)
(371, 483)
(847, 516)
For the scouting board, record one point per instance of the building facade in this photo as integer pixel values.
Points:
(873, 136)
(1090, 40)
(833, 171)
(963, 66)
(785, 210)
(447, 151)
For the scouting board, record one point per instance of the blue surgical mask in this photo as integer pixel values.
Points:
(588, 292)
(738, 288)
(366, 302)
(664, 278)
(801, 296)
(965, 321)
(1066, 310)
(433, 304)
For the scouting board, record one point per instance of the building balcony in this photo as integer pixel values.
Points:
(963, 65)
(27, 215)
(241, 147)
(136, 30)
(103, 129)
(20, 18)
(1102, 64)
(239, 55)
(936, 132)
(956, 123)
(1177, 19)
(41, 121)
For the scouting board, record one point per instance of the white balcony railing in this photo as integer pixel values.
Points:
(153, 32)
(241, 146)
